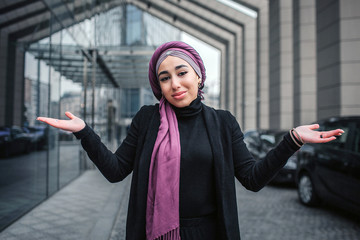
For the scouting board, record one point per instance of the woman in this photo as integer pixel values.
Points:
(184, 155)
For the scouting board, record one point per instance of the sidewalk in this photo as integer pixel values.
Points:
(88, 208)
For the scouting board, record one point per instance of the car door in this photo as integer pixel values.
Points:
(353, 185)
(333, 162)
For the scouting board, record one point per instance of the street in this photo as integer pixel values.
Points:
(274, 213)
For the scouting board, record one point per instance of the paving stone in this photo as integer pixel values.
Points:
(275, 213)
(77, 212)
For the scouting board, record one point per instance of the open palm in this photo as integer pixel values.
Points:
(309, 135)
(75, 124)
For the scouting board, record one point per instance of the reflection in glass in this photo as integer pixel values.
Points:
(23, 149)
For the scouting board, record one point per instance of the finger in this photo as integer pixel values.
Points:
(336, 132)
(321, 140)
(44, 119)
(51, 121)
(313, 126)
(325, 140)
(70, 115)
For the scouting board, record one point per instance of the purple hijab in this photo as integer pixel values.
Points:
(162, 210)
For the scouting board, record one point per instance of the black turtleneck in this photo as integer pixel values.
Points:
(197, 186)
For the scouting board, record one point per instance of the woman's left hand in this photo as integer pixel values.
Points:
(308, 134)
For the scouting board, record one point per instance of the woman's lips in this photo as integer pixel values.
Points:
(179, 95)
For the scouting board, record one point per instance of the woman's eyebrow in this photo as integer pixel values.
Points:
(180, 66)
(176, 68)
(162, 72)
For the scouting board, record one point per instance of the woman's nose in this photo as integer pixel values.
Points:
(175, 83)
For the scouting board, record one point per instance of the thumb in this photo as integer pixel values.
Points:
(70, 115)
(313, 126)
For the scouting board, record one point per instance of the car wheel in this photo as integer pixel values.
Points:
(306, 191)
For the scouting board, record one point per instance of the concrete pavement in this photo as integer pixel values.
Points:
(87, 208)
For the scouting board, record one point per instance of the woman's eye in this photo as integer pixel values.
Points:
(182, 73)
(164, 79)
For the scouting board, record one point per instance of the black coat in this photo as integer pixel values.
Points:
(231, 158)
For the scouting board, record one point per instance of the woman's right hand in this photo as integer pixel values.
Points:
(75, 124)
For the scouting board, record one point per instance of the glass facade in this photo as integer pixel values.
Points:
(37, 160)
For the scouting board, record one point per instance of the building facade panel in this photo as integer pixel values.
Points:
(328, 53)
(328, 77)
(328, 57)
(349, 57)
(350, 50)
(281, 18)
(327, 13)
(263, 67)
(350, 72)
(349, 9)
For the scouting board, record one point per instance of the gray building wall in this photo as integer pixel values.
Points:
(250, 82)
(305, 104)
(274, 64)
(328, 58)
(338, 34)
(263, 66)
(350, 57)
(281, 65)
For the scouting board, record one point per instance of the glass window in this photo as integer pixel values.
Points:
(340, 141)
(23, 146)
(130, 103)
(134, 26)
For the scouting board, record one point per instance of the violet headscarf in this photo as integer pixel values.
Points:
(162, 210)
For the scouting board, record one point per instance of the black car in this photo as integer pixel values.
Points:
(14, 141)
(38, 135)
(330, 172)
(260, 142)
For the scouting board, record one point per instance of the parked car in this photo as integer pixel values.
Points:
(4, 137)
(38, 135)
(330, 172)
(14, 141)
(260, 142)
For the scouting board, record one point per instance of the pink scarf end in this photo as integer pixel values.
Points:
(171, 235)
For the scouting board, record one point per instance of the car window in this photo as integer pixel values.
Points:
(268, 138)
(252, 139)
(340, 141)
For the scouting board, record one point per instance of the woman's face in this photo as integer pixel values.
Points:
(178, 81)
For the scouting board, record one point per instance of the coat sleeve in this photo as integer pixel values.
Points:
(114, 166)
(252, 174)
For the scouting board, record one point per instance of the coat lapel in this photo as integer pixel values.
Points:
(149, 142)
(224, 175)
(214, 132)
(138, 194)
